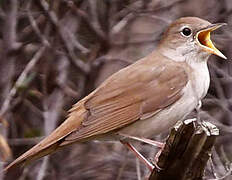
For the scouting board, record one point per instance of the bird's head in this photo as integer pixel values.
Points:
(190, 37)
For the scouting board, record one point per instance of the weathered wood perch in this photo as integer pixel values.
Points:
(186, 152)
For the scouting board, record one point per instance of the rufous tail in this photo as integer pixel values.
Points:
(51, 143)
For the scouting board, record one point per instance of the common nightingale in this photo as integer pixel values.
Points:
(143, 99)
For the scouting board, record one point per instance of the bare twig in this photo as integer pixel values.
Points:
(28, 30)
(5, 150)
(24, 173)
(93, 26)
(52, 106)
(10, 38)
(138, 170)
(10, 45)
(35, 27)
(42, 171)
(121, 24)
(54, 20)
(24, 141)
(122, 168)
(20, 80)
(95, 21)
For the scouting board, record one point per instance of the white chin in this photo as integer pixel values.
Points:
(204, 55)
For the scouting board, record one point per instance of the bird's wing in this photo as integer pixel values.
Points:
(124, 100)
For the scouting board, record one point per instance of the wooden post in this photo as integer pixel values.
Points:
(186, 152)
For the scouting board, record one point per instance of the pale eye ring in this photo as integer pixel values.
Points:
(186, 32)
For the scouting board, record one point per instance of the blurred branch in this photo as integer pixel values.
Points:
(42, 171)
(10, 37)
(94, 26)
(20, 80)
(122, 167)
(24, 141)
(28, 30)
(138, 170)
(83, 67)
(10, 45)
(2, 13)
(121, 24)
(52, 108)
(34, 26)
(94, 22)
(220, 163)
(5, 150)
(220, 71)
(24, 173)
(32, 107)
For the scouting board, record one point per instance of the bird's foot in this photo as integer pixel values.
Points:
(138, 155)
(159, 153)
(156, 158)
(198, 109)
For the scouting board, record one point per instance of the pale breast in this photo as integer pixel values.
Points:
(200, 79)
(194, 91)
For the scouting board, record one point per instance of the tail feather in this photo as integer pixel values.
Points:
(51, 143)
(28, 157)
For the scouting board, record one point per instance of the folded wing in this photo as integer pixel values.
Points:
(121, 101)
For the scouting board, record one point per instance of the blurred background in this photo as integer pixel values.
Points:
(53, 53)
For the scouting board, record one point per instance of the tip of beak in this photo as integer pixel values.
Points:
(220, 54)
(223, 24)
(224, 57)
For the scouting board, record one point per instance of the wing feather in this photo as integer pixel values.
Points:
(144, 90)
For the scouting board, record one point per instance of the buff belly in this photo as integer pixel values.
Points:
(165, 118)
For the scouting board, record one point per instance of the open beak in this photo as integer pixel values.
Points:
(203, 38)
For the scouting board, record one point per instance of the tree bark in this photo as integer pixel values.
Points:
(186, 151)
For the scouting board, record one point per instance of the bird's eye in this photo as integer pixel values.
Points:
(186, 32)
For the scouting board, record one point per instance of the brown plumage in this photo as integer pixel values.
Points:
(137, 96)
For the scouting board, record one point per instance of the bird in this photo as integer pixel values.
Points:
(143, 99)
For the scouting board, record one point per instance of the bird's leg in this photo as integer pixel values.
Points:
(199, 105)
(147, 141)
(138, 155)
(198, 108)
(144, 140)
(158, 154)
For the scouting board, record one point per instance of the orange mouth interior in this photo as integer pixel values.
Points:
(204, 40)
